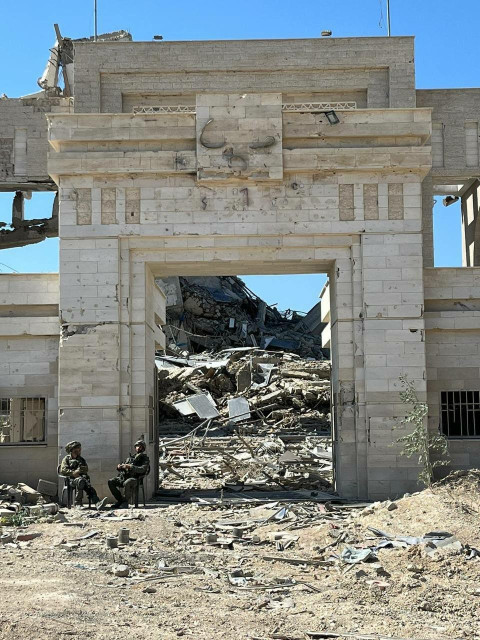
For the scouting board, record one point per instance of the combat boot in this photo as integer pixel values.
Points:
(121, 504)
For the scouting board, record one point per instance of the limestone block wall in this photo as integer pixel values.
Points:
(452, 322)
(455, 117)
(109, 74)
(251, 129)
(455, 156)
(29, 334)
(23, 138)
(376, 318)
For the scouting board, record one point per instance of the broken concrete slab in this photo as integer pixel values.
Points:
(238, 409)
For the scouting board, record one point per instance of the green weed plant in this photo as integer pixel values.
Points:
(419, 442)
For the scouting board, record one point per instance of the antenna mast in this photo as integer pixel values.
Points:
(388, 17)
(95, 21)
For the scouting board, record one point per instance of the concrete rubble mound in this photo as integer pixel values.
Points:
(245, 419)
(217, 312)
(20, 502)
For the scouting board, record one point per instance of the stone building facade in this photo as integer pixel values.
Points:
(220, 158)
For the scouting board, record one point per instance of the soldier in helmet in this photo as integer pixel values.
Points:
(75, 467)
(134, 467)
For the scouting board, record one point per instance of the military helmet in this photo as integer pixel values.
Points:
(70, 446)
(141, 443)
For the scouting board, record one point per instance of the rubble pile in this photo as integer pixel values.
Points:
(218, 312)
(245, 419)
(20, 493)
(22, 503)
(259, 391)
(239, 464)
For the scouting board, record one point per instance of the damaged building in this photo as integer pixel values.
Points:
(179, 161)
(212, 312)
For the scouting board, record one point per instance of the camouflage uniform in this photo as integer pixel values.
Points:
(81, 483)
(128, 478)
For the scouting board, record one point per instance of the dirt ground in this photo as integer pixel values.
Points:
(56, 586)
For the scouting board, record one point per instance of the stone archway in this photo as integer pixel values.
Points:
(144, 195)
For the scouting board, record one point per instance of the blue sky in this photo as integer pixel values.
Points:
(446, 53)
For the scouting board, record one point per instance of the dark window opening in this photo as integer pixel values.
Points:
(22, 420)
(460, 414)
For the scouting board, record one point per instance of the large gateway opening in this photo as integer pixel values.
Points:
(244, 388)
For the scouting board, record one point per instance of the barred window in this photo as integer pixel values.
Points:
(22, 420)
(460, 414)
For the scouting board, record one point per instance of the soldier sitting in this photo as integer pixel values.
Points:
(133, 468)
(75, 467)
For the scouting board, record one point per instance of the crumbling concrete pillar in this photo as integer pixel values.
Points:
(243, 378)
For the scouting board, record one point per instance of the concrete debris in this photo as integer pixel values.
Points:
(244, 419)
(20, 494)
(6, 538)
(47, 488)
(218, 312)
(121, 570)
(28, 495)
(286, 394)
(22, 504)
(62, 57)
(20, 231)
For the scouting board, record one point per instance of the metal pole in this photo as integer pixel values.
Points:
(388, 17)
(95, 20)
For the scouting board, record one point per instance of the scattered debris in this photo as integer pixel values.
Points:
(121, 570)
(26, 537)
(353, 571)
(21, 493)
(47, 488)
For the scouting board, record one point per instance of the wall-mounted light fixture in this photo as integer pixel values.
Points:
(331, 117)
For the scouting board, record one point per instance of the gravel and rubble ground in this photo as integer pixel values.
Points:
(254, 571)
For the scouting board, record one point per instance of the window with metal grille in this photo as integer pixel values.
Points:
(460, 414)
(22, 420)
